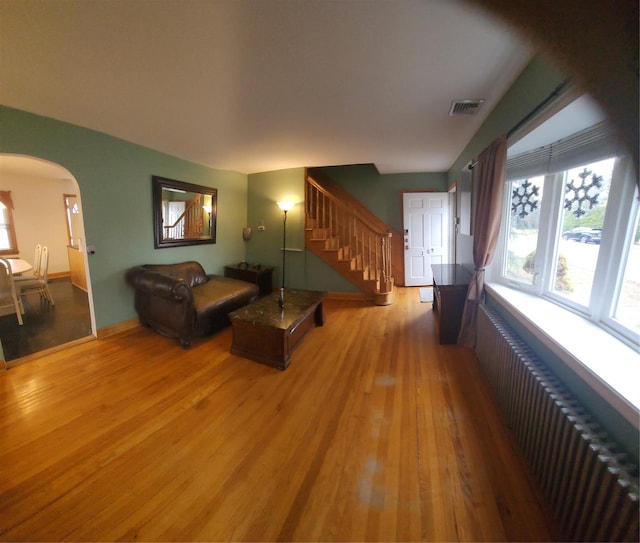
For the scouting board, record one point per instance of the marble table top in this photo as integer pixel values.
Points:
(267, 311)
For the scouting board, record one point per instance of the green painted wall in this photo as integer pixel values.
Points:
(382, 193)
(534, 84)
(114, 178)
(303, 268)
(265, 247)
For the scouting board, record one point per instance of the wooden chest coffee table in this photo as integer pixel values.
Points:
(267, 333)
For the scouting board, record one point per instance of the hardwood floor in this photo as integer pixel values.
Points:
(374, 433)
(46, 326)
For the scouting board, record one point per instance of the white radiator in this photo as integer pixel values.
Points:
(591, 490)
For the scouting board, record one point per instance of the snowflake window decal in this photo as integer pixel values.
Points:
(524, 199)
(582, 193)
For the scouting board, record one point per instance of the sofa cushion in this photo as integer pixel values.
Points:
(217, 298)
(220, 291)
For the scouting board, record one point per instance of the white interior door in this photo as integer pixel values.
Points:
(426, 235)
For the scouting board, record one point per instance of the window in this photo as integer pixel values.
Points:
(571, 231)
(72, 214)
(585, 195)
(625, 312)
(8, 243)
(524, 220)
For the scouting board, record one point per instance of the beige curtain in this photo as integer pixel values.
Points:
(490, 176)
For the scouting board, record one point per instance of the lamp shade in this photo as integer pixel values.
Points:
(286, 205)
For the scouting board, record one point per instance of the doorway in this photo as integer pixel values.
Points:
(425, 235)
(37, 188)
(75, 249)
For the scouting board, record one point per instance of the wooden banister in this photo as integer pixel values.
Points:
(362, 246)
(190, 222)
(397, 248)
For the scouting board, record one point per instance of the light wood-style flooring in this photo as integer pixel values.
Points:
(374, 433)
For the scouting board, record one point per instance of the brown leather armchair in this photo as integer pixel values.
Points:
(182, 301)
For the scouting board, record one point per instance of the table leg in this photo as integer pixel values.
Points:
(319, 315)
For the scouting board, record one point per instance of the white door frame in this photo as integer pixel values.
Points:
(428, 242)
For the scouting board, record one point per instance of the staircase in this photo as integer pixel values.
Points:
(348, 238)
(190, 224)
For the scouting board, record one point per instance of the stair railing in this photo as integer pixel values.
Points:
(349, 231)
(190, 224)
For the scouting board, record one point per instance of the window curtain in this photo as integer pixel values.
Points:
(491, 172)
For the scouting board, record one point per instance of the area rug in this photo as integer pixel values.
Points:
(426, 294)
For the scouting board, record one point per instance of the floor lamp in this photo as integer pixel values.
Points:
(284, 206)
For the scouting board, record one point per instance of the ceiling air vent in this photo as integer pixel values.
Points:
(465, 107)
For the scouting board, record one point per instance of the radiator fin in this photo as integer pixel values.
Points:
(591, 490)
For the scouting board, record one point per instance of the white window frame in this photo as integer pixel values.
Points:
(8, 226)
(503, 241)
(618, 230)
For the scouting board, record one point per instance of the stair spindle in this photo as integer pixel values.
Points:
(342, 237)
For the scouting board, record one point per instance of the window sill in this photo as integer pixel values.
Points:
(606, 364)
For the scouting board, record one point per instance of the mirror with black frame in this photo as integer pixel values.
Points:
(183, 213)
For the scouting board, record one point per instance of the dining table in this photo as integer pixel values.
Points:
(19, 266)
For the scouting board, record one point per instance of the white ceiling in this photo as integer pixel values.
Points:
(260, 85)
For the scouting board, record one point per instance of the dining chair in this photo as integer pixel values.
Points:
(38, 284)
(36, 267)
(8, 294)
(37, 260)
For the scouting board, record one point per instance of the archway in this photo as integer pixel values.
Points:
(38, 188)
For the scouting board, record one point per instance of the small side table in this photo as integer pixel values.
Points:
(450, 284)
(252, 273)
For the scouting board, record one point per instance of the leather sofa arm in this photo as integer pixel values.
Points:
(159, 284)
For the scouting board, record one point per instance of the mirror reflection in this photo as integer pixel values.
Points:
(184, 213)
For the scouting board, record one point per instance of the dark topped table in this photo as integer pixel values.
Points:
(253, 273)
(450, 284)
(267, 333)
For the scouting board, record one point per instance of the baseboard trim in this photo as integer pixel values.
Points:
(102, 334)
(59, 275)
(118, 327)
(45, 352)
(357, 296)
(132, 323)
